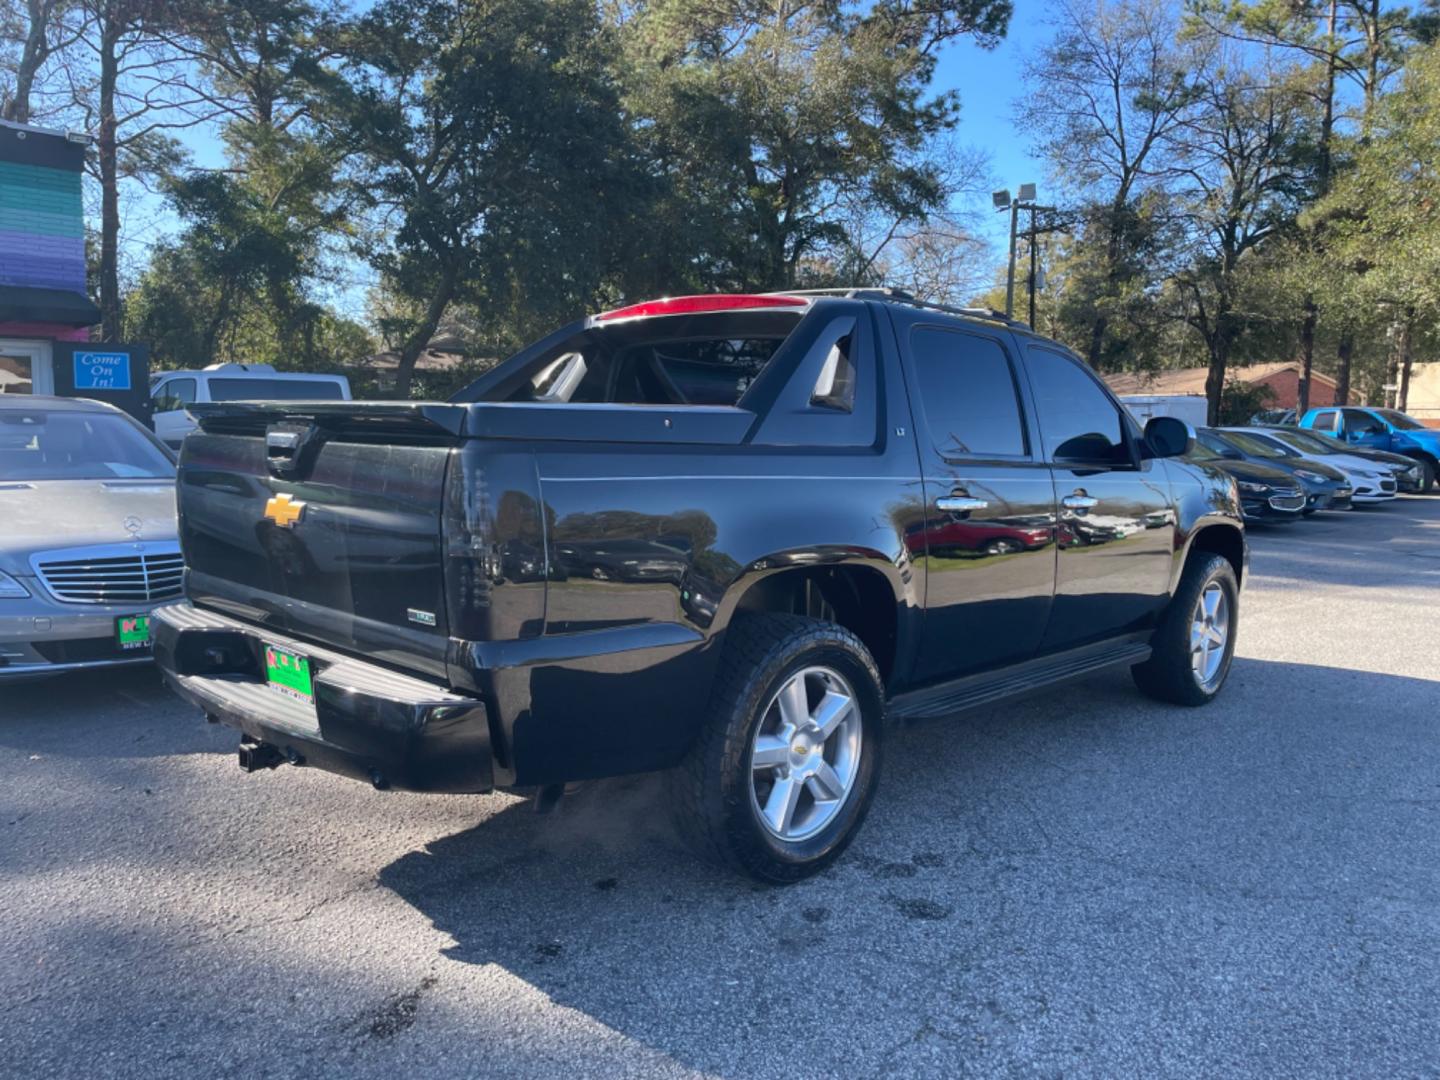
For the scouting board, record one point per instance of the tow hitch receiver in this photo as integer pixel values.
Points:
(256, 756)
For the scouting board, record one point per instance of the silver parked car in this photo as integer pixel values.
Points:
(88, 541)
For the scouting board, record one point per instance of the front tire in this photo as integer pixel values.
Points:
(1195, 641)
(1427, 477)
(785, 767)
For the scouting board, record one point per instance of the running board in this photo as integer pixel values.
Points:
(946, 699)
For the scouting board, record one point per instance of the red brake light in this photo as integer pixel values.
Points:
(699, 305)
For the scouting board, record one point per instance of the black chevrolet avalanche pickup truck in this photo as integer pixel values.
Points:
(726, 536)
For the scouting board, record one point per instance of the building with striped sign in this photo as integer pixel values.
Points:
(42, 254)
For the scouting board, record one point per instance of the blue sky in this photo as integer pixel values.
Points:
(988, 83)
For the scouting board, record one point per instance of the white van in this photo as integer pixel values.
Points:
(172, 392)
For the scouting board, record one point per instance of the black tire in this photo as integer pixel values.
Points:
(1427, 476)
(712, 790)
(1169, 675)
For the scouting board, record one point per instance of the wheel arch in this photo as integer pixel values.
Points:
(863, 594)
(1216, 537)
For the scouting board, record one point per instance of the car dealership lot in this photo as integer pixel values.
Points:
(1085, 882)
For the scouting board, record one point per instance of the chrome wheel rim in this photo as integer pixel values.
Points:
(805, 756)
(1209, 634)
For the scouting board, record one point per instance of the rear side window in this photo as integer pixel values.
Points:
(245, 389)
(966, 392)
(1078, 422)
(1325, 421)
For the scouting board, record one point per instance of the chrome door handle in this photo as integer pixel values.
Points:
(1079, 502)
(960, 503)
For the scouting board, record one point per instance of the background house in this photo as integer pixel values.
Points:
(1282, 377)
(1423, 402)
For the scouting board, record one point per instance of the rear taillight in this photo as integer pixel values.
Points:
(700, 305)
(468, 556)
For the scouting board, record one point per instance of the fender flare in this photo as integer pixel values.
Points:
(1199, 525)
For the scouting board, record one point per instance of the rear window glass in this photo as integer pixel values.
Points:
(671, 360)
(242, 389)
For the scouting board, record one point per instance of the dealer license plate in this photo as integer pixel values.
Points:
(132, 632)
(289, 673)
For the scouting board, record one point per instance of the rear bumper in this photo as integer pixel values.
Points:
(366, 721)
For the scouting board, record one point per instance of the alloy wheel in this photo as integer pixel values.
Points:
(805, 755)
(1209, 634)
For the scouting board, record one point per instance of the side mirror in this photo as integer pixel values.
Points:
(1169, 437)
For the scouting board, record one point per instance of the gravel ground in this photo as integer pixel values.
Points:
(1084, 883)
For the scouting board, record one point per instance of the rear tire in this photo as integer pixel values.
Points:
(1195, 642)
(778, 789)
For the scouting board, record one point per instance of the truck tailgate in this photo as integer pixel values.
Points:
(323, 521)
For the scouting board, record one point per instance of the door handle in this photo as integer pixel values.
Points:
(1079, 502)
(960, 503)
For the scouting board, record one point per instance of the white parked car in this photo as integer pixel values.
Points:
(1370, 481)
(173, 392)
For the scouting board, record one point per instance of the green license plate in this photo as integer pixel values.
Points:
(289, 673)
(133, 631)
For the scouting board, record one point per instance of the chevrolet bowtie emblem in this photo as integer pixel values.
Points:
(284, 511)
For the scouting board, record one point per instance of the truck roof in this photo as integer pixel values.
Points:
(792, 299)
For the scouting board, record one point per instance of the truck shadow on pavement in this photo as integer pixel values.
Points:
(1025, 872)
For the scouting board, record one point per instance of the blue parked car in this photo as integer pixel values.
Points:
(1382, 429)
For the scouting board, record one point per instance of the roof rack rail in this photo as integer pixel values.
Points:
(900, 296)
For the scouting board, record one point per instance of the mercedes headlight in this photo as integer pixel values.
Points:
(10, 589)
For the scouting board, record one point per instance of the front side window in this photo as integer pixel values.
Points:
(1078, 422)
(1358, 421)
(175, 394)
(966, 391)
(74, 445)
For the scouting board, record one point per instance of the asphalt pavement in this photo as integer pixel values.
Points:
(1084, 883)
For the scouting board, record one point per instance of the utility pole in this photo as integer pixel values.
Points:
(1010, 277)
(1003, 201)
(1032, 234)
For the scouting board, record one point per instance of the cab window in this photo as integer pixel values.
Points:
(1325, 421)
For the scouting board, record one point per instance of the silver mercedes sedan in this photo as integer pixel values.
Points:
(88, 541)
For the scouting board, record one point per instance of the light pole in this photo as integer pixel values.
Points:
(1003, 201)
(1025, 200)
